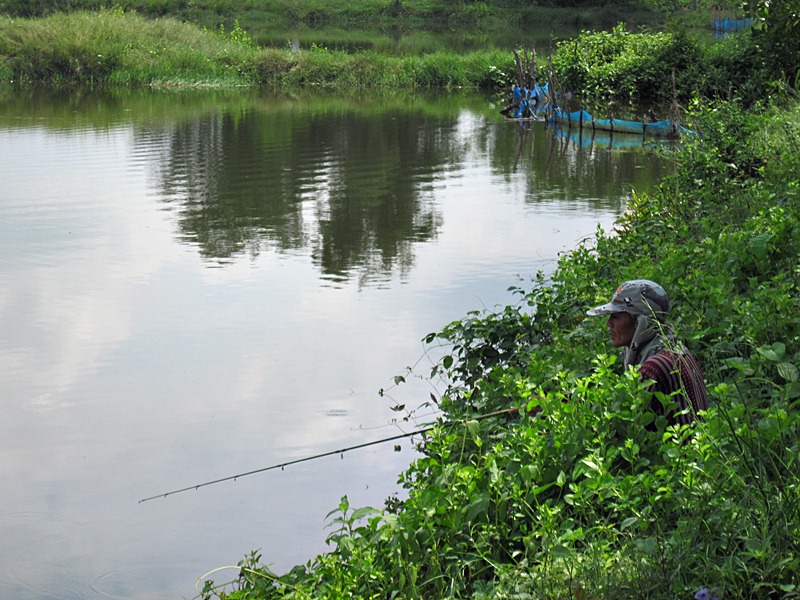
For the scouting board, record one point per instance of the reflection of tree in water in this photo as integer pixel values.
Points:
(348, 189)
(574, 166)
(375, 208)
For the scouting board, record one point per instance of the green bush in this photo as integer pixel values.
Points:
(638, 68)
(776, 34)
(630, 68)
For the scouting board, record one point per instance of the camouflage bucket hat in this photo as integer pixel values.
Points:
(637, 297)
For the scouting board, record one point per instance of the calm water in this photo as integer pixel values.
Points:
(194, 285)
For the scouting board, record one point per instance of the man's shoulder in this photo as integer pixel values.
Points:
(661, 360)
(668, 360)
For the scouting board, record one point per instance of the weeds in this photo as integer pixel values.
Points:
(114, 47)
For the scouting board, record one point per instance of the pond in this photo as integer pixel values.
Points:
(200, 284)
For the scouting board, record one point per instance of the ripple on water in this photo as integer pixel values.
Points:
(24, 576)
(147, 583)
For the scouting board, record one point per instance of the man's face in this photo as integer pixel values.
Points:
(621, 327)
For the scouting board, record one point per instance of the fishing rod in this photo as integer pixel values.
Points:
(508, 411)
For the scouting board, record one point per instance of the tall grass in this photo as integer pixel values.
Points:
(367, 69)
(117, 47)
(366, 14)
(113, 47)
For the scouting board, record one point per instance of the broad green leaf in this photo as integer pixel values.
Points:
(760, 245)
(474, 431)
(775, 353)
(365, 511)
(647, 545)
(562, 551)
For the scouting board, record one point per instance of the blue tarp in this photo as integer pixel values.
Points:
(728, 24)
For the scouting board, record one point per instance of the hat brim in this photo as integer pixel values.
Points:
(605, 309)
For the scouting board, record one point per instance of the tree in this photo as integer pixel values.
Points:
(776, 31)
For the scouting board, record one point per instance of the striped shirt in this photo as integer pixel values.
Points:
(672, 372)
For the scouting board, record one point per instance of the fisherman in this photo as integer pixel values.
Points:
(638, 313)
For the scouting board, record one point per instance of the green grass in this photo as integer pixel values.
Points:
(112, 47)
(118, 48)
(124, 48)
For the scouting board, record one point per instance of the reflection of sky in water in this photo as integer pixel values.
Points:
(129, 367)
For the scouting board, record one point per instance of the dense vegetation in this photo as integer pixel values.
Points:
(118, 48)
(362, 13)
(114, 47)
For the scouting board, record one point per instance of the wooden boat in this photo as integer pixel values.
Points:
(667, 128)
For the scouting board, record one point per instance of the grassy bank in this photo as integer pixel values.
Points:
(390, 26)
(117, 48)
(429, 15)
(124, 48)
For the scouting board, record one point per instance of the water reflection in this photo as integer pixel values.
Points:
(351, 190)
(347, 181)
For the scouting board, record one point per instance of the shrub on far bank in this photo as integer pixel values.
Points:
(630, 69)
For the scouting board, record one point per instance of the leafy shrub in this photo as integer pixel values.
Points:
(630, 68)
(776, 34)
(634, 68)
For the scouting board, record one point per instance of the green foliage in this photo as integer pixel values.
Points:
(237, 34)
(621, 67)
(628, 67)
(777, 34)
(119, 48)
(321, 66)
(114, 47)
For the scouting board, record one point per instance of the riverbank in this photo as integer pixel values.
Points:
(587, 501)
(264, 19)
(118, 48)
(613, 71)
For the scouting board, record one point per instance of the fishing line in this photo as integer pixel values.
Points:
(341, 451)
(397, 422)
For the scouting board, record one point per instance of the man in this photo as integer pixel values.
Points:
(637, 321)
